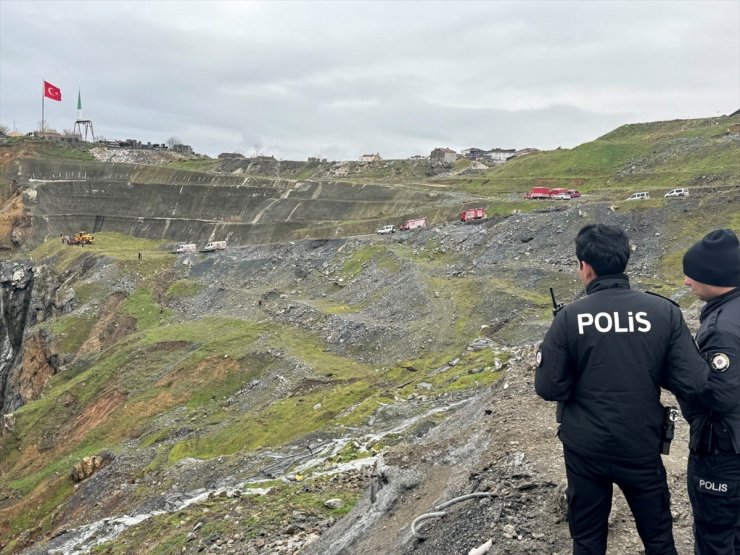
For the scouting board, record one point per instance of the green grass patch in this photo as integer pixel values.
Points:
(312, 351)
(52, 150)
(213, 336)
(141, 305)
(27, 482)
(83, 386)
(184, 288)
(122, 248)
(40, 514)
(155, 437)
(687, 230)
(89, 292)
(473, 370)
(159, 461)
(353, 265)
(71, 331)
(351, 452)
(220, 389)
(276, 424)
(328, 307)
(651, 156)
(360, 413)
(462, 163)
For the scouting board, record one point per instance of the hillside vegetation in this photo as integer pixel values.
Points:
(636, 157)
(230, 396)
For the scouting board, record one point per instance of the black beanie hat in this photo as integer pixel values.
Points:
(715, 260)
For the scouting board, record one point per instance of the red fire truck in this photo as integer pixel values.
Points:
(472, 214)
(538, 193)
(413, 224)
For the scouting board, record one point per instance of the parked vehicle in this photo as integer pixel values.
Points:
(80, 238)
(386, 229)
(639, 196)
(413, 224)
(677, 193)
(559, 194)
(538, 193)
(574, 193)
(215, 246)
(186, 247)
(472, 214)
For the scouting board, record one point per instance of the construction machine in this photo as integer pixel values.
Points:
(80, 238)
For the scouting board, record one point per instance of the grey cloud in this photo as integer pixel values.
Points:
(345, 78)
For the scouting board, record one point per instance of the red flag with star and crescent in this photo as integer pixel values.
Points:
(50, 91)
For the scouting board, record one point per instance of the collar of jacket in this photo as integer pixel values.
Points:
(716, 302)
(610, 281)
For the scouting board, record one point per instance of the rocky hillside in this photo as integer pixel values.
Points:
(318, 395)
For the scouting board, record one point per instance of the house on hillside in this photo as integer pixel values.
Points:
(525, 151)
(182, 149)
(475, 153)
(370, 157)
(501, 155)
(443, 156)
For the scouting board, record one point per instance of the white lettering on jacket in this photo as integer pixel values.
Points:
(706, 484)
(605, 322)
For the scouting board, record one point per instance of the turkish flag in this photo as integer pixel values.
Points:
(50, 91)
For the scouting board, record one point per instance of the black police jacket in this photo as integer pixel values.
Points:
(718, 339)
(606, 357)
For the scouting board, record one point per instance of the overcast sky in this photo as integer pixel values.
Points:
(339, 79)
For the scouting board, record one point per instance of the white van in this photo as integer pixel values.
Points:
(215, 246)
(677, 193)
(639, 196)
(185, 247)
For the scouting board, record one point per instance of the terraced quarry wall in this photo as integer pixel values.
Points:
(163, 203)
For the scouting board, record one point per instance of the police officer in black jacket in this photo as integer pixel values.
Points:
(712, 269)
(604, 360)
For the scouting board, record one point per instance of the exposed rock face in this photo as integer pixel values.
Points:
(38, 364)
(89, 466)
(8, 426)
(28, 295)
(16, 288)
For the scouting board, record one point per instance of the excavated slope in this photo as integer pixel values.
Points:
(179, 205)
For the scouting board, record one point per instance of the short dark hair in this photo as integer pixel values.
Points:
(606, 248)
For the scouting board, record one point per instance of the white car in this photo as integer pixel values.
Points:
(677, 193)
(639, 196)
(561, 196)
(386, 229)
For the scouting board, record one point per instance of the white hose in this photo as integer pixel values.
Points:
(440, 513)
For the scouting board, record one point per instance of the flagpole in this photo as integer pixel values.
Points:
(43, 90)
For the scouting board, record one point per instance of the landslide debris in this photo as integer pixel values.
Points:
(317, 396)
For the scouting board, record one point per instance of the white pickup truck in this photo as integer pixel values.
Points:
(386, 229)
